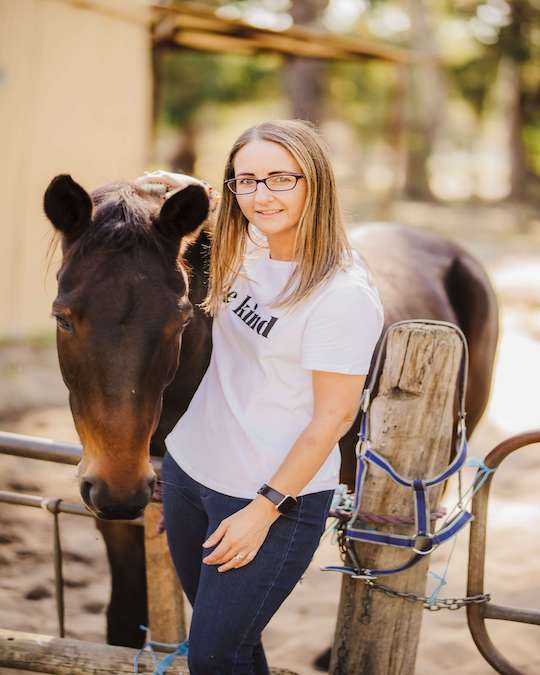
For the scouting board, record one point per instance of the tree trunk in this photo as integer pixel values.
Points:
(304, 80)
(426, 100)
(185, 156)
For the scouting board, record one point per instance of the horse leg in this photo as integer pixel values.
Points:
(127, 608)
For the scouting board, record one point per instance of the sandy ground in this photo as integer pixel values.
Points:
(305, 623)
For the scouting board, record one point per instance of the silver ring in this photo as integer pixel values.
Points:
(240, 555)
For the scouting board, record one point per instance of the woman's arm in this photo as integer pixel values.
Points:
(336, 399)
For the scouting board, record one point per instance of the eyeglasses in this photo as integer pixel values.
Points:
(245, 186)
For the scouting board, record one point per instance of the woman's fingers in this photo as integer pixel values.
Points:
(166, 183)
(220, 554)
(235, 562)
(216, 535)
(172, 181)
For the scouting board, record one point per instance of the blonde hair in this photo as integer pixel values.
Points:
(321, 244)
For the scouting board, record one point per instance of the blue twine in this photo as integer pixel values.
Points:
(474, 462)
(432, 599)
(160, 667)
(438, 588)
(480, 479)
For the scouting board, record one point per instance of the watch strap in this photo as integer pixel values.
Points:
(276, 497)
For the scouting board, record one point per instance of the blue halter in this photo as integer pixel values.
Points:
(423, 541)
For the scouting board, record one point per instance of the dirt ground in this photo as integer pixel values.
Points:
(305, 623)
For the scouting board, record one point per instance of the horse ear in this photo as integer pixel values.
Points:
(67, 205)
(183, 212)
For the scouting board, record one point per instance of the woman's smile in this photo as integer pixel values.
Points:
(269, 213)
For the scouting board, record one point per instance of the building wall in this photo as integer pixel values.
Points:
(75, 97)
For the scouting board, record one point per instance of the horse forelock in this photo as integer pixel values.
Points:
(124, 217)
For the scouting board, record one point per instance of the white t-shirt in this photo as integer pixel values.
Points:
(256, 396)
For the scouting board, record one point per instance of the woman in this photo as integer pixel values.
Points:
(252, 465)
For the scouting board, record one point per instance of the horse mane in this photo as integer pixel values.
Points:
(123, 218)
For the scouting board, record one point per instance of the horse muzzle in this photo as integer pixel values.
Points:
(99, 500)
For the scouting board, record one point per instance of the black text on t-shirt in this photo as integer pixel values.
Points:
(249, 316)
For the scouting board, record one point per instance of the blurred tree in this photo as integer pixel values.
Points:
(305, 80)
(426, 98)
(185, 80)
(403, 104)
(508, 66)
(190, 79)
(519, 52)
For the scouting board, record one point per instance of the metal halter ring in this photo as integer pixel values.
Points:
(427, 551)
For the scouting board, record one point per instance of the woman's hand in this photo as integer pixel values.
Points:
(174, 181)
(167, 183)
(241, 533)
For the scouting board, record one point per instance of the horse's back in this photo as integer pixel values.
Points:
(408, 267)
(421, 274)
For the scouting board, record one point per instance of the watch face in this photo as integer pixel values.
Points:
(287, 504)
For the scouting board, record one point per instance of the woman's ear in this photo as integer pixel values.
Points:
(183, 212)
(68, 206)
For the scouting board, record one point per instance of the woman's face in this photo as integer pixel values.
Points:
(275, 214)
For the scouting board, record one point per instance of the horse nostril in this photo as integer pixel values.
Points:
(85, 489)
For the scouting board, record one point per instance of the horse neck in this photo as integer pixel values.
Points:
(196, 345)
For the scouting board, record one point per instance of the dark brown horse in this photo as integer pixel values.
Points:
(132, 274)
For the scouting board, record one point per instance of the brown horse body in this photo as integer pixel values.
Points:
(132, 343)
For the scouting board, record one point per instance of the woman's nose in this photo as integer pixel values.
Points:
(263, 193)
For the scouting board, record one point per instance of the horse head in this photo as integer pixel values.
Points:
(121, 308)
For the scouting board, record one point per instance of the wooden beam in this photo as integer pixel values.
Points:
(61, 656)
(192, 18)
(202, 41)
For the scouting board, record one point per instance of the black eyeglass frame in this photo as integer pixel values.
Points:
(230, 181)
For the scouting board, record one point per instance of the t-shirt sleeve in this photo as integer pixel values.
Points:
(342, 331)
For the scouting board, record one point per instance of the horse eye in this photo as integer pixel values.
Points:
(63, 323)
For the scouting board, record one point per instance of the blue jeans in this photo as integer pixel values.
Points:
(230, 609)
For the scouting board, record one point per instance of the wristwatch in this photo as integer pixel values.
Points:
(283, 503)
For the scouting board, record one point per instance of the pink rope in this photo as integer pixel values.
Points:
(380, 519)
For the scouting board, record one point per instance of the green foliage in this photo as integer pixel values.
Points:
(360, 92)
(474, 79)
(191, 79)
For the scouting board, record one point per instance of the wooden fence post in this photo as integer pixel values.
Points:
(166, 616)
(412, 420)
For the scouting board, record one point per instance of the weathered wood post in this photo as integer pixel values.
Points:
(166, 616)
(412, 420)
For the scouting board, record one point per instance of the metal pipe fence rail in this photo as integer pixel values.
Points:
(32, 447)
(477, 614)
